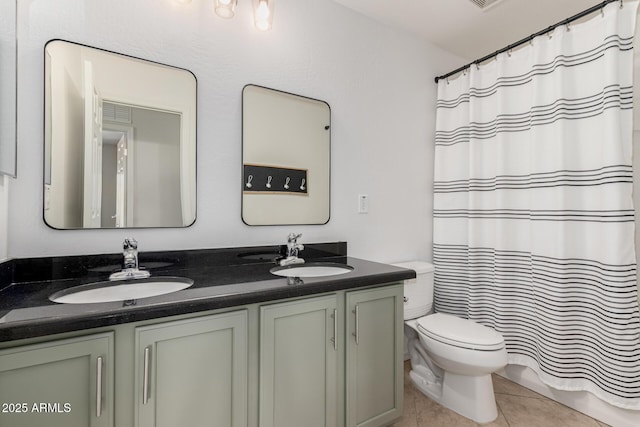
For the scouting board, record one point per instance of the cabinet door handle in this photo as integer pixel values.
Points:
(145, 379)
(357, 332)
(335, 329)
(99, 386)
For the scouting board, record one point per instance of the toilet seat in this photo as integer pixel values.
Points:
(459, 332)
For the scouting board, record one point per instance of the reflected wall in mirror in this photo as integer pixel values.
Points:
(286, 152)
(8, 87)
(120, 140)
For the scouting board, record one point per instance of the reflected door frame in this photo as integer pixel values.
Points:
(92, 189)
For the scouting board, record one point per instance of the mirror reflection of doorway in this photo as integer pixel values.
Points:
(141, 173)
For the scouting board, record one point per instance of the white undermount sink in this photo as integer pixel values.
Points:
(311, 270)
(119, 290)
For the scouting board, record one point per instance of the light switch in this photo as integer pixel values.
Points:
(363, 203)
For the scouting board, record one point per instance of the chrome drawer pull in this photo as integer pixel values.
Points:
(145, 379)
(99, 386)
(357, 333)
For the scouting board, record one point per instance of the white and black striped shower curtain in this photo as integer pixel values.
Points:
(533, 216)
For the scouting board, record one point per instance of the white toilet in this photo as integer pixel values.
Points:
(452, 359)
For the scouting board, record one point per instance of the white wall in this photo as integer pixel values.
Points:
(378, 81)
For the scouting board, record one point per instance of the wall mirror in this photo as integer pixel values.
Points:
(120, 140)
(286, 154)
(8, 87)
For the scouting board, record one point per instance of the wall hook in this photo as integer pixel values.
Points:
(286, 183)
(302, 185)
(269, 179)
(249, 179)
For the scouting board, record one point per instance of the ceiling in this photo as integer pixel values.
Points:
(462, 28)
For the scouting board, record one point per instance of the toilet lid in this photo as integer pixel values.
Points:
(460, 332)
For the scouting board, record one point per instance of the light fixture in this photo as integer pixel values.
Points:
(263, 14)
(225, 8)
(262, 11)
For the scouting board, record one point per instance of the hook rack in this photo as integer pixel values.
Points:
(273, 179)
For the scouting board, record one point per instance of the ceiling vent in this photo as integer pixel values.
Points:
(116, 113)
(485, 4)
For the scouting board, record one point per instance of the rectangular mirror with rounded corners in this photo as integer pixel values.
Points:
(286, 153)
(8, 75)
(120, 140)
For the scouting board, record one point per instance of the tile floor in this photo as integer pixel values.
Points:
(517, 407)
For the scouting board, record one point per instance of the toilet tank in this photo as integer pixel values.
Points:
(418, 292)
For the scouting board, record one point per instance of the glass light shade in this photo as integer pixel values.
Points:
(225, 8)
(263, 14)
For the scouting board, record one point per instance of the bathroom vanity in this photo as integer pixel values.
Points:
(241, 347)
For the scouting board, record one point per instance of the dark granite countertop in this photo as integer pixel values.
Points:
(222, 278)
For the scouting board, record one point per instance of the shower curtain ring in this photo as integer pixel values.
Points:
(621, 4)
(447, 80)
(568, 26)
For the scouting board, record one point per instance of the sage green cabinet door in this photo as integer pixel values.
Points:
(298, 363)
(64, 383)
(374, 368)
(192, 373)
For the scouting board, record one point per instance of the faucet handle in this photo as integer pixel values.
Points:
(293, 237)
(130, 243)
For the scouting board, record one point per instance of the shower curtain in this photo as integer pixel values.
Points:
(533, 216)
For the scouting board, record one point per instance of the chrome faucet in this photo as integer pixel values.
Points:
(130, 252)
(293, 248)
(130, 268)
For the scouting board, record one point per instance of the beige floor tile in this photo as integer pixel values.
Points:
(432, 414)
(406, 421)
(522, 411)
(502, 385)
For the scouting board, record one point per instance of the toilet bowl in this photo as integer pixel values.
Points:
(452, 359)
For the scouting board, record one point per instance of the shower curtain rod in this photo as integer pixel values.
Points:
(531, 37)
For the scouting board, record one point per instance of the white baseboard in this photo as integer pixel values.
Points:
(581, 401)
